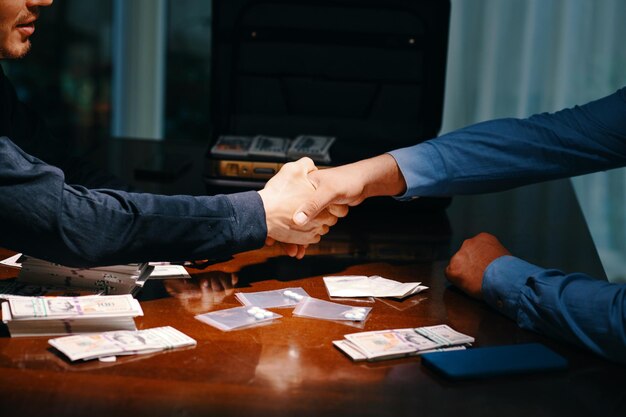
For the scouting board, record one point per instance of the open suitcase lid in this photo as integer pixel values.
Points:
(369, 73)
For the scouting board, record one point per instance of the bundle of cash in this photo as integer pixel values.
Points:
(398, 343)
(114, 279)
(315, 147)
(228, 146)
(373, 286)
(39, 316)
(10, 288)
(268, 147)
(116, 343)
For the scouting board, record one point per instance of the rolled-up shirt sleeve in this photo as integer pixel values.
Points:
(573, 307)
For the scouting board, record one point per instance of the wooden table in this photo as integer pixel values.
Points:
(290, 368)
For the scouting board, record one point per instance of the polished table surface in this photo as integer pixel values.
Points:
(290, 368)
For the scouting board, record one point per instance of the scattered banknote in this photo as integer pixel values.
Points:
(373, 286)
(13, 261)
(396, 343)
(116, 343)
(38, 316)
(10, 288)
(164, 270)
(70, 286)
(114, 279)
(315, 147)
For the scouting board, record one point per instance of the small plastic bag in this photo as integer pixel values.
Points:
(287, 297)
(326, 310)
(238, 317)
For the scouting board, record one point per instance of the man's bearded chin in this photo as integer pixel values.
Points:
(4, 54)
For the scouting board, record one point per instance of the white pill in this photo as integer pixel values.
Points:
(349, 316)
(359, 310)
(259, 315)
(288, 293)
(107, 358)
(254, 310)
(267, 314)
(298, 297)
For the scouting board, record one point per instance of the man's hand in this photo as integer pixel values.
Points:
(350, 185)
(282, 195)
(467, 266)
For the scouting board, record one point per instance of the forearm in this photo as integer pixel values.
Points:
(380, 176)
(44, 217)
(506, 153)
(571, 307)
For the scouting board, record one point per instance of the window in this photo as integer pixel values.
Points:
(68, 76)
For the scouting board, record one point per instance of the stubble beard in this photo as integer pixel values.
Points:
(16, 53)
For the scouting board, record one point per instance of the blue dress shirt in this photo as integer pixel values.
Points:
(507, 153)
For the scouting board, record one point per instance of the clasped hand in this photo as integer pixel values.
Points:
(282, 196)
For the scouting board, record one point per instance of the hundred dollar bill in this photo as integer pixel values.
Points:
(115, 343)
(113, 279)
(356, 355)
(70, 307)
(383, 343)
(268, 147)
(386, 344)
(232, 146)
(444, 335)
(315, 147)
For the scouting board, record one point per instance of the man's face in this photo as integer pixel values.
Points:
(17, 24)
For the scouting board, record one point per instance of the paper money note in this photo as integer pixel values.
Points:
(394, 343)
(315, 147)
(387, 343)
(356, 355)
(68, 307)
(268, 147)
(121, 343)
(444, 335)
(232, 146)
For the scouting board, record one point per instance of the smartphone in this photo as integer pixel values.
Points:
(493, 361)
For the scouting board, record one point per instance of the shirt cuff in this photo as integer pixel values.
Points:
(249, 228)
(503, 281)
(423, 170)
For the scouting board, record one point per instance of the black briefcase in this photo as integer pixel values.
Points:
(358, 77)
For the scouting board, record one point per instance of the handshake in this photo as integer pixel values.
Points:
(302, 202)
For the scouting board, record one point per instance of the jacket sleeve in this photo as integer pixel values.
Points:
(572, 307)
(507, 153)
(44, 217)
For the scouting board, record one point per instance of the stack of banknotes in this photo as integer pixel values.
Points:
(110, 344)
(274, 148)
(398, 343)
(114, 279)
(46, 316)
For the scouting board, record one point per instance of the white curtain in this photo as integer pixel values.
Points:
(514, 58)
